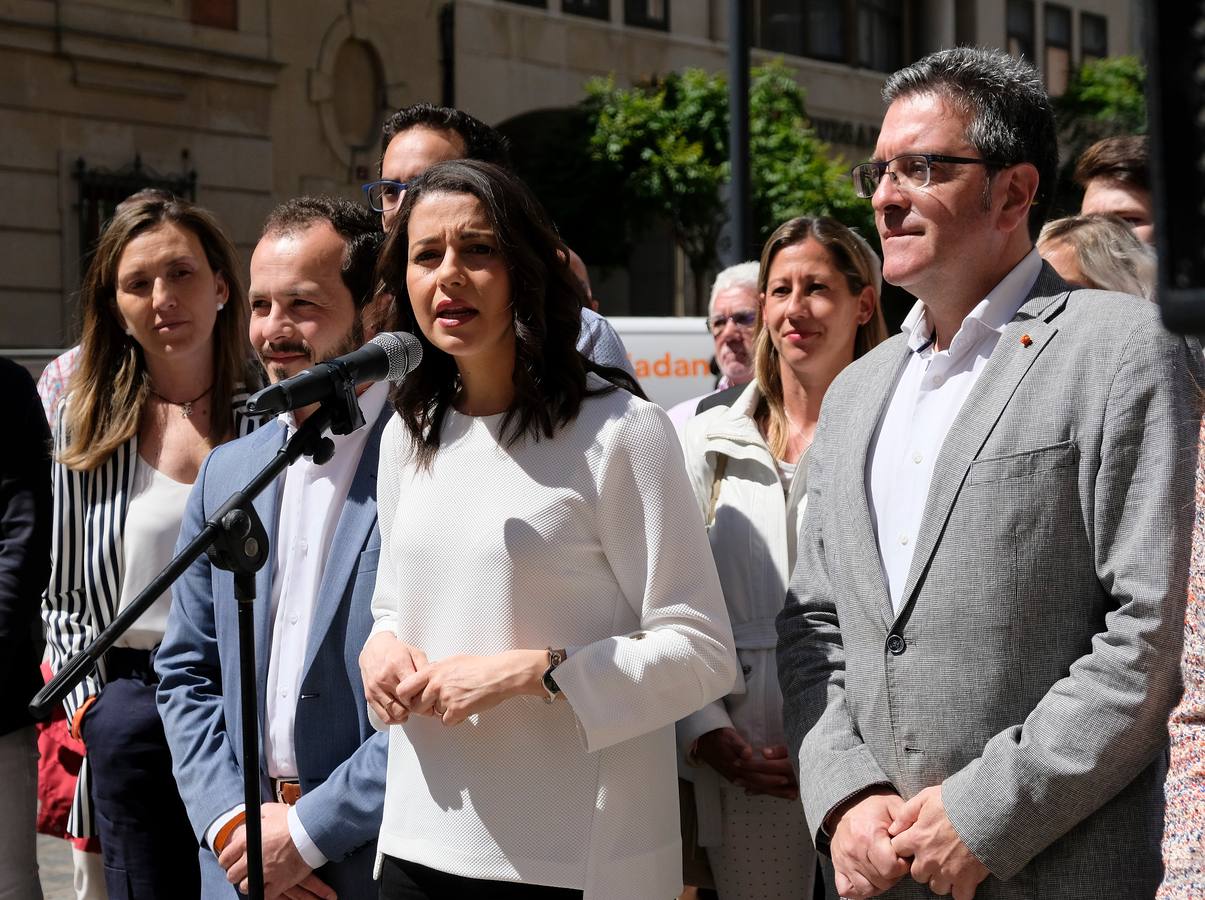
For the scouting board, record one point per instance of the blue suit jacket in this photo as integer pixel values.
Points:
(340, 757)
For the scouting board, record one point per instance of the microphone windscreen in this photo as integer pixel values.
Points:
(403, 350)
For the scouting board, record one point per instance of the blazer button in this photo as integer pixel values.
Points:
(896, 644)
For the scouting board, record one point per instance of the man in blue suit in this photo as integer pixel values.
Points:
(322, 764)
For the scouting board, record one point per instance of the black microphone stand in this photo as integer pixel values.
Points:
(235, 540)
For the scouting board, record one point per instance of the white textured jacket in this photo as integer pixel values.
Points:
(587, 540)
(753, 534)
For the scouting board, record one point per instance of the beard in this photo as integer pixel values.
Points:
(350, 341)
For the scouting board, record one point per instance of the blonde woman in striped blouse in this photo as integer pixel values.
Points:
(161, 370)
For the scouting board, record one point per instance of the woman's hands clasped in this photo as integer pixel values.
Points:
(765, 771)
(399, 681)
(384, 663)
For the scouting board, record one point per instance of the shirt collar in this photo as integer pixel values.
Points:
(991, 314)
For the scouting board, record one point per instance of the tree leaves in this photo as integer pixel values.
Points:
(667, 142)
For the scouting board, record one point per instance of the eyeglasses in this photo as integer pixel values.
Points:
(746, 318)
(384, 195)
(909, 170)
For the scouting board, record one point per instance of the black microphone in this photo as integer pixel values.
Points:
(390, 356)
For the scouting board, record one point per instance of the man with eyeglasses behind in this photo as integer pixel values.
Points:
(732, 321)
(417, 137)
(980, 644)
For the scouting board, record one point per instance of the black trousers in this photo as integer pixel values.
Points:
(147, 844)
(404, 880)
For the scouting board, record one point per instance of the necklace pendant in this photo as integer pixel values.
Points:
(186, 409)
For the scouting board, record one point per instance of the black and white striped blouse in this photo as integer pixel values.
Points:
(83, 596)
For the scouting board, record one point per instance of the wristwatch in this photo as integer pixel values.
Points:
(551, 689)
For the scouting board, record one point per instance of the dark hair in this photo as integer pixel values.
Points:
(358, 226)
(1010, 116)
(110, 385)
(1123, 158)
(481, 142)
(546, 307)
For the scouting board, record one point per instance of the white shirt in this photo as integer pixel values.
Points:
(148, 542)
(311, 502)
(927, 398)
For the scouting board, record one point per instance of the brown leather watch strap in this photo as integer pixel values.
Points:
(226, 832)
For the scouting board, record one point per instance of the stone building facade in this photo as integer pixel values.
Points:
(244, 103)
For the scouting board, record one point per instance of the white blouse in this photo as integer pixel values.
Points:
(149, 542)
(592, 541)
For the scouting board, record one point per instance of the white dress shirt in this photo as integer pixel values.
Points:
(928, 396)
(311, 502)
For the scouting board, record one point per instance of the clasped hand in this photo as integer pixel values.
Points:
(400, 682)
(877, 838)
(286, 874)
(766, 771)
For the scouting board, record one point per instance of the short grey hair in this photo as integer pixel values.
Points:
(742, 275)
(1011, 118)
(1109, 254)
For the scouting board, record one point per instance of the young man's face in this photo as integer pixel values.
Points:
(411, 153)
(1119, 198)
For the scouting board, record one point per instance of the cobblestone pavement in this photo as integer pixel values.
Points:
(54, 863)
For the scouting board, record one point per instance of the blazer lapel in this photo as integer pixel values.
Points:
(877, 388)
(982, 410)
(266, 505)
(351, 533)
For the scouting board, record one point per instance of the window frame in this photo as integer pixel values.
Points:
(875, 9)
(214, 14)
(1031, 39)
(1084, 18)
(850, 16)
(1049, 10)
(635, 14)
(575, 8)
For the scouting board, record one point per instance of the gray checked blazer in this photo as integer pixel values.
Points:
(1034, 662)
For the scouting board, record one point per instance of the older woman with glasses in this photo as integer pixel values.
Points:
(819, 308)
(162, 364)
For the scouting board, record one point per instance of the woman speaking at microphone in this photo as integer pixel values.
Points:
(163, 358)
(546, 604)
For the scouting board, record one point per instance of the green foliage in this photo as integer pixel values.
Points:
(667, 141)
(1105, 97)
(793, 171)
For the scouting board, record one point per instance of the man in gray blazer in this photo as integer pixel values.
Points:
(981, 639)
(322, 763)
